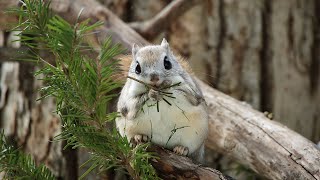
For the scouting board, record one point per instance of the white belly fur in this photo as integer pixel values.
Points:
(189, 121)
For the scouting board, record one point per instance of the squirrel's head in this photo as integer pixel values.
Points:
(154, 64)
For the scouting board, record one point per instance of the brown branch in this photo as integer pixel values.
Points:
(113, 26)
(172, 166)
(149, 29)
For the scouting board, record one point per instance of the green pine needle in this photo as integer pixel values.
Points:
(17, 165)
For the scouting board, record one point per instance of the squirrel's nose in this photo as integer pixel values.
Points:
(154, 78)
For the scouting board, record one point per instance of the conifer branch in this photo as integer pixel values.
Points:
(82, 87)
(16, 164)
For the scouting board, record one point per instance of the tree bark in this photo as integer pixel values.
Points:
(267, 147)
(295, 89)
(31, 124)
(172, 166)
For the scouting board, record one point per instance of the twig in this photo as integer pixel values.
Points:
(148, 85)
(167, 87)
(173, 131)
(153, 87)
(152, 27)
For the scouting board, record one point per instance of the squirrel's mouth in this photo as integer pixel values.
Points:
(157, 85)
(161, 84)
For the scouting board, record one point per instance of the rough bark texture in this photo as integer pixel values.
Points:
(172, 166)
(181, 38)
(267, 147)
(31, 124)
(295, 102)
(7, 19)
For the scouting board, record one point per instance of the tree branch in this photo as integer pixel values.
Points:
(172, 166)
(149, 29)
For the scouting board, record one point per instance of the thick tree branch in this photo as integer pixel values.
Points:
(149, 29)
(267, 147)
(172, 166)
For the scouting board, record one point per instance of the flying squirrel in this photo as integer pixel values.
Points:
(160, 102)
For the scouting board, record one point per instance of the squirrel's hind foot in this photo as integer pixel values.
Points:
(181, 150)
(139, 139)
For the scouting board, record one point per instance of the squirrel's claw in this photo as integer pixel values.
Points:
(139, 139)
(181, 150)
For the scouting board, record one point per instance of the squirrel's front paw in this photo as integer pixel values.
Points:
(166, 83)
(154, 95)
(181, 150)
(139, 139)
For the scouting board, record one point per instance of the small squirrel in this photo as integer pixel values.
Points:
(161, 103)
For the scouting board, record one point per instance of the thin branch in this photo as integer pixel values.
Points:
(153, 27)
(156, 88)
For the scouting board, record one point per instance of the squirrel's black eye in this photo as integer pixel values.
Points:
(167, 63)
(138, 68)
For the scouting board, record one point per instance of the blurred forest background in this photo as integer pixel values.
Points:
(263, 52)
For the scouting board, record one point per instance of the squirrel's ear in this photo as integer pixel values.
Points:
(135, 49)
(165, 43)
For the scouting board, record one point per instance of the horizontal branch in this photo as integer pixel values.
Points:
(172, 166)
(149, 29)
